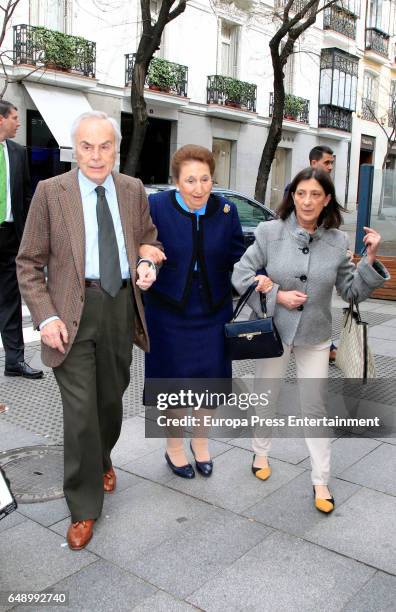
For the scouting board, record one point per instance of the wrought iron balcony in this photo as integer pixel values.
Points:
(163, 76)
(295, 109)
(369, 109)
(231, 92)
(339, 20)
(335, 118)
(377, 41)
(36, 46)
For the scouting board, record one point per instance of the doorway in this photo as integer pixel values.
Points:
(367, 147)
(153, 165)
(42, 149)
(222, 153)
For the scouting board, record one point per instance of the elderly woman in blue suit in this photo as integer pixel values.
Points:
(192, 298)
(306, 255)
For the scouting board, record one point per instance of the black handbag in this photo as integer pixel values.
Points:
(253, 339)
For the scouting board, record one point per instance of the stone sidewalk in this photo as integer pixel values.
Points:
(226, 543)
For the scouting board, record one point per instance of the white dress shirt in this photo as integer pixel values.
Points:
(89, 199)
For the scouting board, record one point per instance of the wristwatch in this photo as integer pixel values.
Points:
(149, 262)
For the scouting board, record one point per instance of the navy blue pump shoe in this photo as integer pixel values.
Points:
(204, 467)
(184, 471)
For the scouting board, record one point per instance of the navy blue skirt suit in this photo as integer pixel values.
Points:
(187, 306)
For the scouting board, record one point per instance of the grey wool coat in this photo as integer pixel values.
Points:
(312, 263)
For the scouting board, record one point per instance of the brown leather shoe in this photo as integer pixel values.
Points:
(3, 408)
(109, 480)
(80, 533)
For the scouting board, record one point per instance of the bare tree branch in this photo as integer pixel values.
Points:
(281, 47)
(150, 41)
(8, 10)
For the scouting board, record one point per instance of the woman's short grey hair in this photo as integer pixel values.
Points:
(96, 115)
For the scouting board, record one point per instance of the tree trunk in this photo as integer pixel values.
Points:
(140, 122)
(275, 130)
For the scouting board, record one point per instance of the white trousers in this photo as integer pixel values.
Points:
(311, 362)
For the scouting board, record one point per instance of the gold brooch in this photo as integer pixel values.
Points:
(226, 208)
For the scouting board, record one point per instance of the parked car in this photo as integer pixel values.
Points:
(251, 212)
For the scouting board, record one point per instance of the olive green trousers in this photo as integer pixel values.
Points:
(92, 380)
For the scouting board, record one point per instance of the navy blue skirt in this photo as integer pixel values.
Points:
(187, 344)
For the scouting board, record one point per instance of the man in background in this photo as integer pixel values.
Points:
(319, 157)
(15, 196)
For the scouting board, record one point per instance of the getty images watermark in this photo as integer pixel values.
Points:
(291, 408)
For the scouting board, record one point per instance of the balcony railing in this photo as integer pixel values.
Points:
(377, 41)
(36, 46)
(231, 92)
(339, 20)
(295, 109)
(369, 109)
(163, 76)
(335, 118)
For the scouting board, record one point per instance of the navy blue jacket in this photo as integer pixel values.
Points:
(216, 247)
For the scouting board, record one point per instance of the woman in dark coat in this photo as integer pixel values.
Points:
(192, 299)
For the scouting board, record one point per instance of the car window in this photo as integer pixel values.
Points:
(250, 214)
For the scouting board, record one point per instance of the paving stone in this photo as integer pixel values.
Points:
(163, 602)
(154, 467)
(378, 595)
(33, 558)
(363, 528)
(232, 484)
(11, 520)
(292, 450)
(132, 443)
(383, 347)
(345, 452)
(390, 323)
(386, 332)
(376, 470)
(142, 517)
(291, 507)
(46, 513)
(283, 573)
(89, 590)
(12, 436)
(179, 566)
(385, 309)
(387, 440)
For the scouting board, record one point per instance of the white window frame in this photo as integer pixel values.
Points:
(41, 13)
(233, 41)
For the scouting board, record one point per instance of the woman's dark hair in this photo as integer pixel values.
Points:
(191, 152)
(330, 216)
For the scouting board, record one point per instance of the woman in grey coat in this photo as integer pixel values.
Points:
(305, 255)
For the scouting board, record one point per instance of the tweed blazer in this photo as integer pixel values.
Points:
(54, 237)
(312, 263)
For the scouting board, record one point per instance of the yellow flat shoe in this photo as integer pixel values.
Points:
(324, 505)
(261, 473)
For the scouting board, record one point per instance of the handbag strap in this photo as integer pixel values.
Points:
(353, 309)
(244, 298)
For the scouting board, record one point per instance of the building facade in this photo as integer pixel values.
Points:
(210, 83)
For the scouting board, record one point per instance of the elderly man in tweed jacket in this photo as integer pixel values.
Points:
(89, 227)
